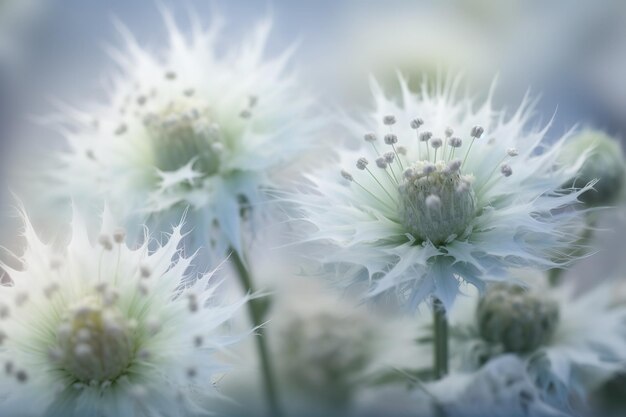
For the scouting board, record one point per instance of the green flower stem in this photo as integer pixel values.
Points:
(256, 312)
(440, 325)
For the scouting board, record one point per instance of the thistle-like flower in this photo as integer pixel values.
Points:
(103, 330)
(570, 343)
(443, 193)
(187, 128)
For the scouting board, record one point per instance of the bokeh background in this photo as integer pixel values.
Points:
(572, 52)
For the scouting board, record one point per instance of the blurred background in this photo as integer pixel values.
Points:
(572, 52)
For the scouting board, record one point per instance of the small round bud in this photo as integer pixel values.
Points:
(518, 320)
(449, 132)
(408, 173)
(347, 175)
(389, 157)
(381, 163)
(416, 123)
(512, 152)
(605, 162)
(370, 137)
(425, 136)
(391, 139)
(506, 170)
(389, 120)
(436, 143)
(455, 142)
(401, 150)
(361, 163)
(477, 132)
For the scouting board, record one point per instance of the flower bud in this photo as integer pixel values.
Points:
(605, 163)
(515, 318)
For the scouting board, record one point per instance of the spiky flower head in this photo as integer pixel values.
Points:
(188, 127)
(473, 192)
(102, 329)
(605, 163)
(571, 342)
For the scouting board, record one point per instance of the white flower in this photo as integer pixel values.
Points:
(189, 127)
(101, 329)
(445, 192)
(571, 343)
(501, 388)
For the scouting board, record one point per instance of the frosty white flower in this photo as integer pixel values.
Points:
(109, 331)
(444, 213)
(500, 389)
(188, 128)
(570, 343)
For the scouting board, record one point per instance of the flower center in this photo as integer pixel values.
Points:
(94, 343)
(182, 132)
(436, 201)
(518, 320)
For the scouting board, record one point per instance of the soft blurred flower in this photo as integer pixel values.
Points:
(326, 349)
(571, 343)
(102, 329)
(442, 192)
(500, 389)
(605, 163)
(187, 128)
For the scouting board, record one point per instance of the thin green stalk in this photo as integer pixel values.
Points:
(440, 325)
(256, 313)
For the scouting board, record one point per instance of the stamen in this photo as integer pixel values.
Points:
(389, 120)
(512, 152)
(347, 175)
(454, 144)
(429, 168)
(425, 137)
(506, 170)
(371, 138)
(391, 139)
(350, 178)
(455, 165)
(436, 144)
(476, 133)
(416, 123)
